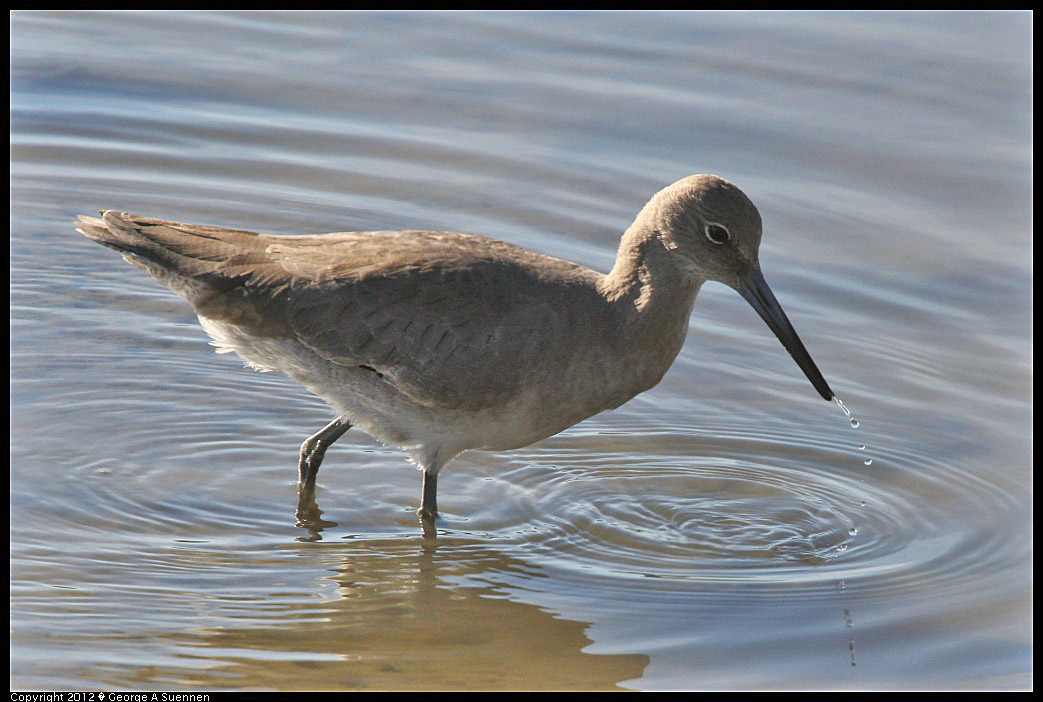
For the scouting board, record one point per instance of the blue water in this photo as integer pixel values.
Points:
(722, 531)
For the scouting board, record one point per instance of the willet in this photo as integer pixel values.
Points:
(440, 342)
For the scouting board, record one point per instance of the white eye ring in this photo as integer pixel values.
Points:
(717, 233)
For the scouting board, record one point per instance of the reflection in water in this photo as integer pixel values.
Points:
(705, 524)
(405, 614)
(850, 623)
(309, 517)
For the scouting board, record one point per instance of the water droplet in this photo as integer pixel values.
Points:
(842, 405)
(852, 531)
(861, 447)
(854, 423)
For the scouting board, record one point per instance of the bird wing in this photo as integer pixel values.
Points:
(452, 320)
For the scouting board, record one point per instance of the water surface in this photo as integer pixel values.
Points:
(722, 531)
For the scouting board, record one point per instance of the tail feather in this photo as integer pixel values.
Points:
(201, 264)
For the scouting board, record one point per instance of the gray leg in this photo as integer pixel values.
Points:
(314, 448)
(429, 505)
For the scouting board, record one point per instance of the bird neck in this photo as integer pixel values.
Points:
(647, 280)
(653, 298)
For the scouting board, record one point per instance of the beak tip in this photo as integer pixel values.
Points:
(756, 291)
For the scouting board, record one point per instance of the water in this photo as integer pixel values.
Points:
(722, 531)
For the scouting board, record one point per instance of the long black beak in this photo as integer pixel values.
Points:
(756, 291)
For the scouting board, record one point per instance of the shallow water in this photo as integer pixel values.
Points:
(722, 531)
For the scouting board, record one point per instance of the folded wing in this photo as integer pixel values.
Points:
(432, 312)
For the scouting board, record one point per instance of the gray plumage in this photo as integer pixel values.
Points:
(440, 342)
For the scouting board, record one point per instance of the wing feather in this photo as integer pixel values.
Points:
(440, 315)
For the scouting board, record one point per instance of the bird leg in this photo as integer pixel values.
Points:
(314, 448)
(312, 451)
(429, 504)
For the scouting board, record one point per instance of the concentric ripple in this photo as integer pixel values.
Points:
(730, 507)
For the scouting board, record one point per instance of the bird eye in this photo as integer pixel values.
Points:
(717, 233)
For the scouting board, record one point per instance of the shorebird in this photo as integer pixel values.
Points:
(441, 342)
